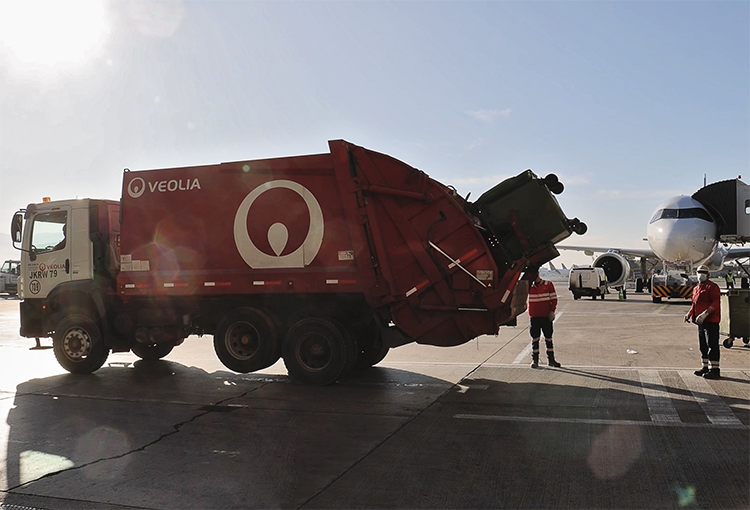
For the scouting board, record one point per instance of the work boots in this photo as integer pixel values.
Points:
(535, 360)
(700, 373)
(712, 374)
(551, 354)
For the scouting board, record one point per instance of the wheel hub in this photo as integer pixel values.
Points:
(77, 343)
(314, 352)
(242, 340)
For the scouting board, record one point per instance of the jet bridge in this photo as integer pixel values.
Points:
(729, 204)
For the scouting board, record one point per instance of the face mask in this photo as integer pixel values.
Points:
(702, 277)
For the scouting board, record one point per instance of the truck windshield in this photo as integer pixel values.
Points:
(9, 266)
(48, 231)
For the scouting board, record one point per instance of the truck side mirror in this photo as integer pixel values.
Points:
(16, 227)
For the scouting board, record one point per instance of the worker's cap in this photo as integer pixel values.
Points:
(702, 269)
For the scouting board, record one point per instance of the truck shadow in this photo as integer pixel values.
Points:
(89, 430)
(165, 435)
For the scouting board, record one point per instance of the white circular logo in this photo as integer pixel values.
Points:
(278, 234)
(35, 287)
(136, 187)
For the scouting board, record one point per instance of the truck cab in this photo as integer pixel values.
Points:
(588, 281)
(68, 263)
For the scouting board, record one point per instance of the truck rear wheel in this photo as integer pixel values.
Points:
(245, 340)
(317, 351)
(371, 353)
(78, 345)
(152, 352)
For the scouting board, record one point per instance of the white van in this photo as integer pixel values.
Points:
(588, 281)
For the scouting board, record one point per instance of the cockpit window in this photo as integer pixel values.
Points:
(673, 214)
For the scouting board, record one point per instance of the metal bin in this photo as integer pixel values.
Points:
(735, 315)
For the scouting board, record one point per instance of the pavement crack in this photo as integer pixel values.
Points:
(220, 406)
(407, 422)
(376, 447)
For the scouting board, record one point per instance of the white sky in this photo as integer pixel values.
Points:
(627, 102)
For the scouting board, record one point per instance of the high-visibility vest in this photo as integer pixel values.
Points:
(542, 299)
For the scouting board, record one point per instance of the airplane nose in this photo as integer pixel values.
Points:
(681, 239)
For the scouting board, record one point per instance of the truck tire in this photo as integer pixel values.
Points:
(245, 340)
(152, 352)
(372, 354)
(370, 347)
(78, 345)
(316, 351)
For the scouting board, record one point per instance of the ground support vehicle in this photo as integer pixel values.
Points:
(674, 281)
(325, 260)
(735, 316)
(9, 277)
(587, 281)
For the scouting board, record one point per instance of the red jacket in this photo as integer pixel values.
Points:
(542, 299)
(704, 295)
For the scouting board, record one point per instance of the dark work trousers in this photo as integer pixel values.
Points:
(708, 338)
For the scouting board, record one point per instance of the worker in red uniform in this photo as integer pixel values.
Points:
(542, 306)
(706, 313)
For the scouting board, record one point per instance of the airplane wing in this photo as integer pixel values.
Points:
(628, 252)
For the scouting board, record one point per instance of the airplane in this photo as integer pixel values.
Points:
(564, 272)
(552, 271)
(681, 229)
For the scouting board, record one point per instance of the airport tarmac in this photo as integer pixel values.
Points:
(623, 424)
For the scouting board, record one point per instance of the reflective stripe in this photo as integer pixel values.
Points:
(542, 297)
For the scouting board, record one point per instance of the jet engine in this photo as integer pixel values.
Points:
(615, 266)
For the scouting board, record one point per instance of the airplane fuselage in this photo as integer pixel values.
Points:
(682, 229)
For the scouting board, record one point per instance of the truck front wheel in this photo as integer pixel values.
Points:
(78, 345)
(316, 351)
(245, 341)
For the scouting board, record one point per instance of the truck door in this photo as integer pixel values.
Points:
(50, 246)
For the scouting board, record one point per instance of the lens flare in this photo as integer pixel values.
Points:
(49, 33)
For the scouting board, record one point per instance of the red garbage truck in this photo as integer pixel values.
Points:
(326, 260)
